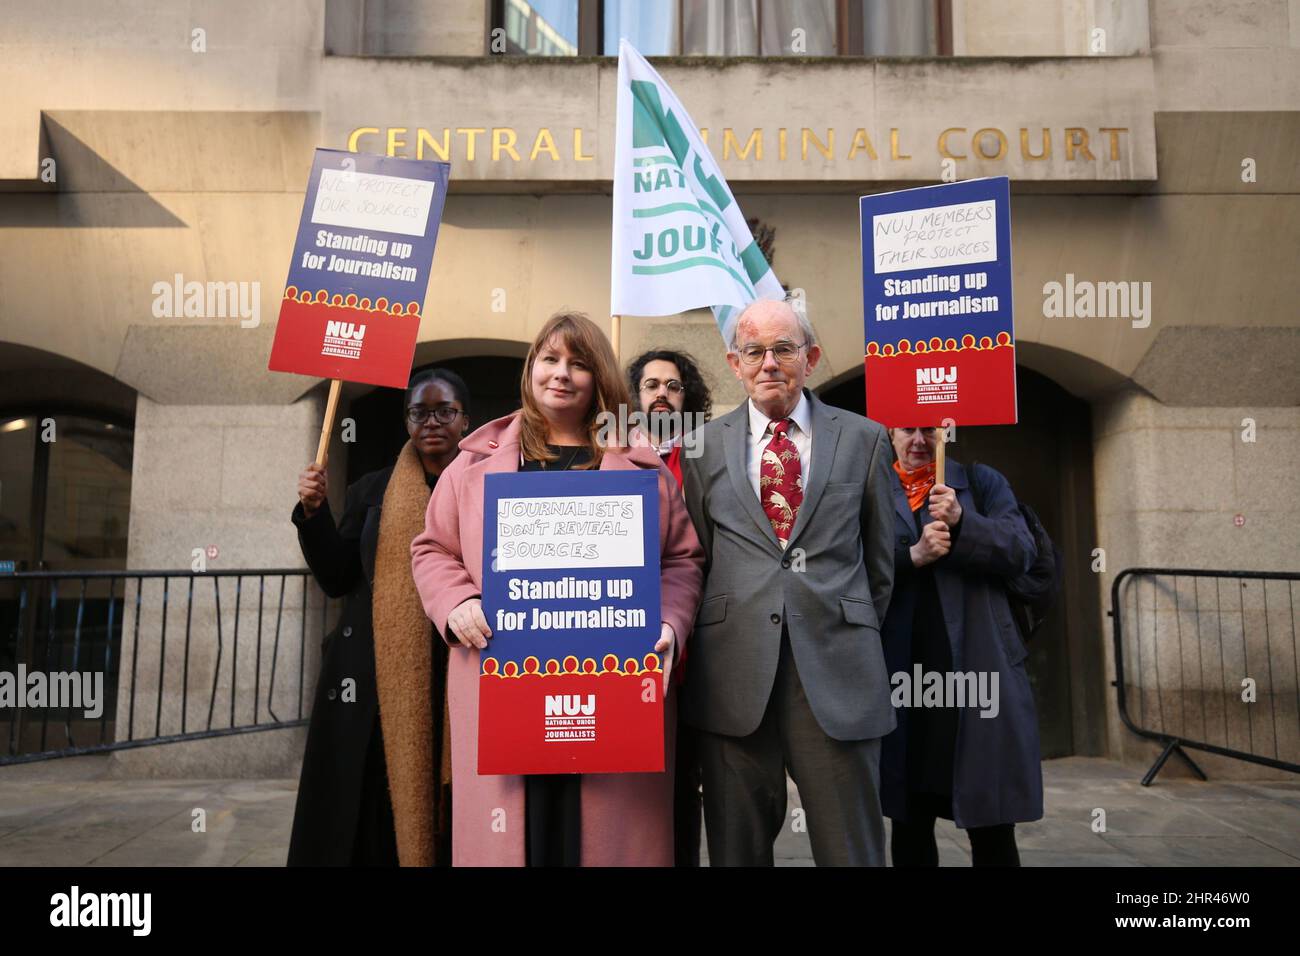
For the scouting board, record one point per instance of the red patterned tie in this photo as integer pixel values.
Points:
(780, 481)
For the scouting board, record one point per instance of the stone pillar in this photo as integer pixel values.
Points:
(1179, 487)
(224, 478)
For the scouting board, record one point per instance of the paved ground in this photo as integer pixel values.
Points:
(72, 813)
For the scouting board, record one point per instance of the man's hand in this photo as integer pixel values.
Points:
(666, 646)
(467, 623)
(312, 488)
(936, 541)
(944, 505)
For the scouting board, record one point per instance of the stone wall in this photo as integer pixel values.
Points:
(1180, 488)
(222, 476)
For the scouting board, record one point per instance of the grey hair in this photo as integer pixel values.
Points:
(798, 305)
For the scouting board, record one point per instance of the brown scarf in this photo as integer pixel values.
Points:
(419, 767)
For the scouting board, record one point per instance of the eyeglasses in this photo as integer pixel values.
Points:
(443, 414)
(652, 385)
(785, 352)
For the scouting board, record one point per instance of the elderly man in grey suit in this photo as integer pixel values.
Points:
(792, 502)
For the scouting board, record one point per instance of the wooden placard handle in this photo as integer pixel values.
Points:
(939, 455)
(327, 427)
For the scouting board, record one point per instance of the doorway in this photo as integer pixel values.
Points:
(1047, 458)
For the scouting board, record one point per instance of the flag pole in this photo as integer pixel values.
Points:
(327, 427)
(616, 327)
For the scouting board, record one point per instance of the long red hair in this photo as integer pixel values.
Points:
(585, 341)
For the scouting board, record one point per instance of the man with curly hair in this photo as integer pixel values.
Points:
(673, 397)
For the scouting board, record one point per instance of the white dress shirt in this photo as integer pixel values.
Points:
(760, 433)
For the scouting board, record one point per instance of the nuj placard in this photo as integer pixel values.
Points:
(355, 292)
(569, 681)
(936, 292)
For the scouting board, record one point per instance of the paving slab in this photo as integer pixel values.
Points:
(73, 812)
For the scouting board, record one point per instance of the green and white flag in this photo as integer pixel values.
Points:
(680, 239)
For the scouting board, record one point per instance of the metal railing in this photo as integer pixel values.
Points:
(1208, 660)
(182, 656)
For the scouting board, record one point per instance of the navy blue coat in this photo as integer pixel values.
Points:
(997, 773)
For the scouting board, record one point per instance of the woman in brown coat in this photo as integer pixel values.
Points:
(384, 732)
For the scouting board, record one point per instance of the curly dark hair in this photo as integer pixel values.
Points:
(698, 399)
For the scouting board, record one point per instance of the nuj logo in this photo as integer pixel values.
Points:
(345, 330)
(936, 376)
(570, 705)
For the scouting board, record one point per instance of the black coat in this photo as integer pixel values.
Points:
(336, 780)
(997, 773)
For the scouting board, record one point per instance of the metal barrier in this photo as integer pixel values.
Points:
(238, 631)
(1214, 663)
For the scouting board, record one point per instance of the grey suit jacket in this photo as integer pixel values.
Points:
(830, 587)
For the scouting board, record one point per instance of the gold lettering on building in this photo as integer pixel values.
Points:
(730, 144)
(1076, 138)
(893, 144)
(943, 143)
(355, 137)
(861, 142)
(425, 138)
(471, 139)
(501, 144)
(827, 149)
(544, 142)
(980, 138)
(503, 141)
(1024, 144)
(1114, 132)
(577, 147)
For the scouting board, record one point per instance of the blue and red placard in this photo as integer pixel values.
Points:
(936, 295)
(569, 681)
(360, 267)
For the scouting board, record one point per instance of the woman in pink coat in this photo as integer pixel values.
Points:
(570, 377)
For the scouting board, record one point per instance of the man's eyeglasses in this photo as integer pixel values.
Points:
(785, 352)
(652, 385)
(443, 414)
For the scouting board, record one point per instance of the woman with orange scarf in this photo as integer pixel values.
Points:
(975, 762)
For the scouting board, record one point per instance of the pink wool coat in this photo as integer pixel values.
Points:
(627, 819)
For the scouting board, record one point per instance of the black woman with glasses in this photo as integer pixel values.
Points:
(375, 790)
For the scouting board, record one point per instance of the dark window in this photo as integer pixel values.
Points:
(541, 27)
(726, 27)
(65, 492)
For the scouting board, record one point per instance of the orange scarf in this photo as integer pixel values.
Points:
(916, 484)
